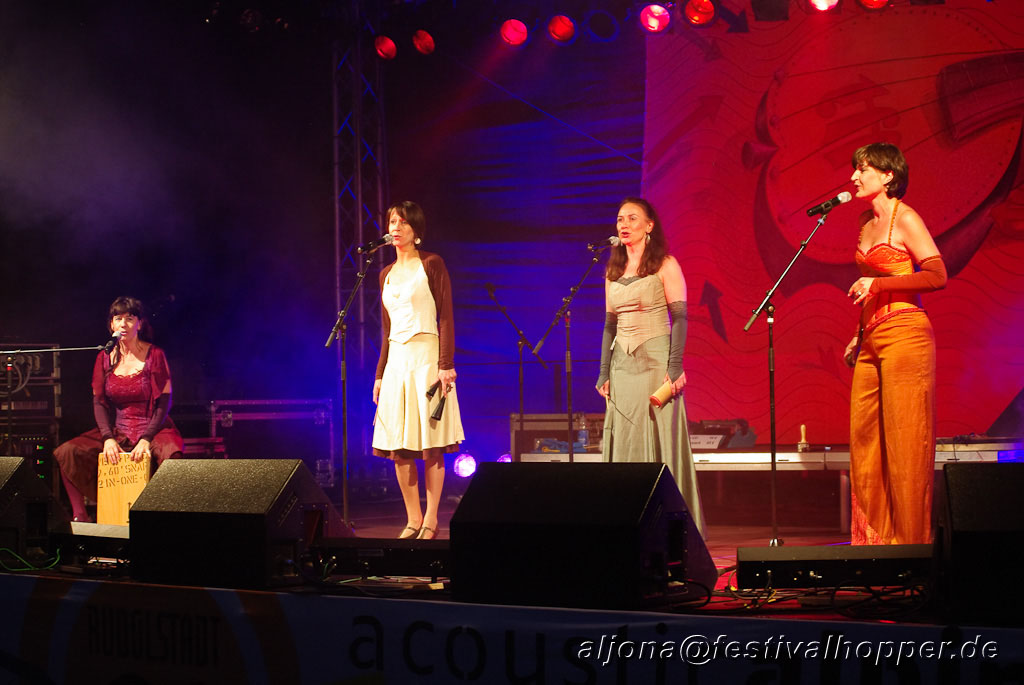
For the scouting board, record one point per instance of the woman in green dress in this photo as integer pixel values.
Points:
(642, 349)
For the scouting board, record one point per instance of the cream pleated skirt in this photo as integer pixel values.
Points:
(402, 426)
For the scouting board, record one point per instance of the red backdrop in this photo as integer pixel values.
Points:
(750, 123)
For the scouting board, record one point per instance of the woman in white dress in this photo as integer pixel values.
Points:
(416, 370)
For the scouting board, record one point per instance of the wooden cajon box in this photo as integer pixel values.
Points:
(118, 486)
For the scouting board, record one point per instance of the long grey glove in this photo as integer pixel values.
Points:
(610, 324)
(677, 341)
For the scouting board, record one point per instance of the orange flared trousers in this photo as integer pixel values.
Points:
(892, 433)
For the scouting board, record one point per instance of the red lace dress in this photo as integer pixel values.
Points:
(130, 402)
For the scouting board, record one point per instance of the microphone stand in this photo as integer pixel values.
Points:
(9, 363)
(339, 331)
(520, 343)
(566, 302)
(767, 306)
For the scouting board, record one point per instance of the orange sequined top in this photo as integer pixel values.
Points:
(885, 260)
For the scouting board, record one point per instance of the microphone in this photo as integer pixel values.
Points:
(439, 410)
(826, 207)
(374, 245)
(113, 341)
(612, 241)
(433, 389)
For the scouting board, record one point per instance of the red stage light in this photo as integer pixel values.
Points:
(561, 28)
(655, 18)
(385, 47)
(874, 4)
(514, 32)
(824, 5)
(423, 42)
(700, 12)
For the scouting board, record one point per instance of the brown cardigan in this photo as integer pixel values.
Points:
(441, 290)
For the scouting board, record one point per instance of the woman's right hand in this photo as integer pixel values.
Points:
(376, 390)
(111, 450)
(850, 354)
(604, 390)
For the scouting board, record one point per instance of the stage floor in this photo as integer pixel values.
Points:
(385, 519)
(61, 627)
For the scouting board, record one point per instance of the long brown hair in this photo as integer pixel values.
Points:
(654, 252)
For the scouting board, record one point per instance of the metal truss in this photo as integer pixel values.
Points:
(360, 172)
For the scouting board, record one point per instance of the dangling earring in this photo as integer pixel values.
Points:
(647, 240)
(417, 241)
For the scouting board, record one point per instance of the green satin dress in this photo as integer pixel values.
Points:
(634, 431)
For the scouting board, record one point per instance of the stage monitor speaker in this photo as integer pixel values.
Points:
(980, 541)
(238, 523)
(832, 566)
(612, 536)
(29, 514)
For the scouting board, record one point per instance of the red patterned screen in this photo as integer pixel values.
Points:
(746, 129)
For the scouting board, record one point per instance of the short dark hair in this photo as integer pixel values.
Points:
(413, 213)
(133, 306)
(886, 157)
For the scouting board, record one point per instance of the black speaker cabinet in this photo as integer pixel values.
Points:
(29, 514)
(239, 523)
(581, 535)
(980, 541)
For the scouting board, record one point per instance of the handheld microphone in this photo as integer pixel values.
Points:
(374, 245)
(826, 207)
(113, 341)
(611, 241)
(433, 389)
(439, 410)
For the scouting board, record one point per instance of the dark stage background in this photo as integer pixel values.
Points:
(146, 150)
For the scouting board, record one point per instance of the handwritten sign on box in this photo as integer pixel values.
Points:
(118, 486)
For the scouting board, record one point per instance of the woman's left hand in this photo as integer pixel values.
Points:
(447, 379)
(678, 384)
(860, 291)
(141, 450)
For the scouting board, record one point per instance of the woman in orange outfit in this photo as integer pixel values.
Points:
(892, 400)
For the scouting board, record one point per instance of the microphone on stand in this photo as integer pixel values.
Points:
(826, 207)
(374, 245)
(113, 341)
(612, 241)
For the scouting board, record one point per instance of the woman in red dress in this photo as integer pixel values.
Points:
(131, 395)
